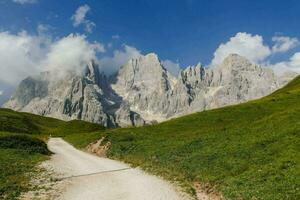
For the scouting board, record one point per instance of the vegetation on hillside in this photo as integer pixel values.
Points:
(22, 146)
(247, 151)
(18, 156)
(17, 122)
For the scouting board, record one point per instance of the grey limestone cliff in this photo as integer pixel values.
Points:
(143, 91)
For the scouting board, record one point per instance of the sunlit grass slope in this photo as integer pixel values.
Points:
(22, 146)
(247, 151)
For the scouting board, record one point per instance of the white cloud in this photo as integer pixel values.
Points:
(244, 44)
(293, 64)
(110, 45)
(79, 18)
(171, 67)
(7, 91)
(42, 28)
(22, 55)
(253, 48)
(1, 92)
(120, 57)
(283, 43)
(25, 1)
(89, 26)
(115, 37)
(71, 53)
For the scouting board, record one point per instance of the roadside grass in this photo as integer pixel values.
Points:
(19, 155)
(25, 143)
(81, 140)
(247, 151)
(23, 146)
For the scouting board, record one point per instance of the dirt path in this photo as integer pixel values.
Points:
(126, 184)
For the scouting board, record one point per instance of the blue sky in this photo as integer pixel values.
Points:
(187, 31)
(39, 35)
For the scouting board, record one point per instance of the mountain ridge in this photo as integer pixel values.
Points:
(142, 91)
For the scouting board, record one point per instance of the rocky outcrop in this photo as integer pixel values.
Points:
(143, 91)
(86, 97)
(156, 95)
(99, 147)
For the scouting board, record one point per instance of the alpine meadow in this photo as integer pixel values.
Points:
(149, 100)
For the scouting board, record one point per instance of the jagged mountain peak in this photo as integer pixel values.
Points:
(143, 91)
(193, 68)
(149, 62)
(235, 61)
(92, 71)
(151, 56)
(142, 73)
(234, 57)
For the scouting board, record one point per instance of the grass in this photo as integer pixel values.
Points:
(81, 140)
(247, 151)
(17, 122)
(25, 143)
(23, 147)
(19, 155)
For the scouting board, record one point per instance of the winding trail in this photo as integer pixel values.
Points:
(105, 179)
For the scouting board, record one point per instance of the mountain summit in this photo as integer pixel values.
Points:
(143, 91)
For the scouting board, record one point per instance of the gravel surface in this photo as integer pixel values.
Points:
(126, 184)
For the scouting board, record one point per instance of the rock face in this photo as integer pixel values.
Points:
(86, 97)
(156, 95)
(143, 91)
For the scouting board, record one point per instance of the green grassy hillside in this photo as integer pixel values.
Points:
(247, 151)
(22, 146)
(19, 154)
(17, 122)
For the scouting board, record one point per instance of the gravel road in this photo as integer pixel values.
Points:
(126, 184)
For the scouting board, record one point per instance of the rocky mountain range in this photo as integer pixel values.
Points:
(143, 91)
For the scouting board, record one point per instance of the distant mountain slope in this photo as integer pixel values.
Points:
(142, 91)
(246, 151)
